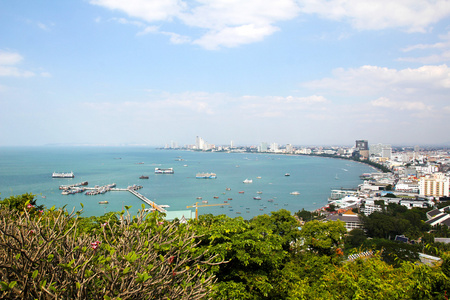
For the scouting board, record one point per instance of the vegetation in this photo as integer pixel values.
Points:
(46, 254)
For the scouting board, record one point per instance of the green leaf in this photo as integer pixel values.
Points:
(143, 206)
(17, 256)
(78, 285)
(106, 297)
(127, 207)
(82, 206)
(35, 274)
(4, 286)
(126, 270)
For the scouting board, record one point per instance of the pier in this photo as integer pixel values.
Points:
(148, 201)
(112, 187)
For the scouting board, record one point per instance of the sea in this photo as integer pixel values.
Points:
(29, 170)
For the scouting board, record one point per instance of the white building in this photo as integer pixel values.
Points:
(434, 185)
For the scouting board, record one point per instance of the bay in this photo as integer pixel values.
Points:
(29, 170)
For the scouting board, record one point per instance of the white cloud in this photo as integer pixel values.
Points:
(230, 23)
(234, 36)
(9, 58)
(8, 68)
(368, 80)
(149, 11)
(410, 15)
(442, 48)
(7, 62)
(401, 105)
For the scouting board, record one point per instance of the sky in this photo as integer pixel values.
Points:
(148, 72)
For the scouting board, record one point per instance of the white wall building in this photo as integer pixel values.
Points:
(434, 185)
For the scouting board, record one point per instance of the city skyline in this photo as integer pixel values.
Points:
(102, 72)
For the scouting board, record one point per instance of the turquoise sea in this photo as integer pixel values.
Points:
(29, 169)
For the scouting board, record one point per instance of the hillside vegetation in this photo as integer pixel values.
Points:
(52, 253)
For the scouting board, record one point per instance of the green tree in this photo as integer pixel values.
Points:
(323, 238)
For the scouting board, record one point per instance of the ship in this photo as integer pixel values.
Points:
(164, 171)
(295, 193)
(206, 176)
(287, 174)
(248, 181)
(257, 198)
(63, 175)
(143, 177)
(103, 202)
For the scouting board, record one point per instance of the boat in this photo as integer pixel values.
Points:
(295, 193)
(287, 174)
(143, 177)
(259, 192)
(248, 181)
(199, 198)
(164, 171)
(206, 176)
(270, 200)
(205, 201)
(336, 177)
(257, 198)
(228, 189)
(103, 202)
(241, 192)
(230, 198)
(259, 177)
(216, 197)
(63, 175)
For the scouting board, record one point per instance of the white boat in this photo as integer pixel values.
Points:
(164, 171)
(206, 176)
(63, 175)
(248, 181)
(295, 193)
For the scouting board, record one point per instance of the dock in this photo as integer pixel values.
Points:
(148, 201)
(112, 187)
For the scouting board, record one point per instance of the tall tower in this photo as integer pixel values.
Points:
(362, 146)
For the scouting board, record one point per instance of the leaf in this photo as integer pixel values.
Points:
(82, 205)
(35, 274)
(4, 286)
(17, 256)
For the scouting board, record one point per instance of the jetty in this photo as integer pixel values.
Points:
(148, 201)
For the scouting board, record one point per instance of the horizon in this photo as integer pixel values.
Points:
(291, 72)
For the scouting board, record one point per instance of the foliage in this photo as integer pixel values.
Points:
(20, 203)
(255, 251)
(323, 238)
(355, 238)
(48, 256)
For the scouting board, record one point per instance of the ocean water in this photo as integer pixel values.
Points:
(29, 170)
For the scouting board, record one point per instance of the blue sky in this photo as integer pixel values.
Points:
(305, 72)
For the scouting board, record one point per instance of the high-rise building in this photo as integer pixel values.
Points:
(274, 147)
(362, 146)
(434, 185)
(263, 147)
(289, 148)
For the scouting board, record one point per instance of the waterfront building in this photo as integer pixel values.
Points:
(274, 147)
(263, 147)
(434, 185)
(362, 146)
(289, 148)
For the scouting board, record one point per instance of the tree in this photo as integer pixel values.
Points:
(355, 238)
(49, 256)
(323, 238)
